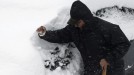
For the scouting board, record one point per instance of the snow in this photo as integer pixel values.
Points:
(18, 22)
(46, 48)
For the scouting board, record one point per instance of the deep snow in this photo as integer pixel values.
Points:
(19, 20)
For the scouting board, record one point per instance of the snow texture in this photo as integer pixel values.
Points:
(59, 58)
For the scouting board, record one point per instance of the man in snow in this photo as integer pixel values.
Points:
(101, 44)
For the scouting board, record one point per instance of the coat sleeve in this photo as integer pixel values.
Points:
(119, 44)
(58, 36)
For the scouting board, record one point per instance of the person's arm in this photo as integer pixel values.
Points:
(119, 45)
(58, 36)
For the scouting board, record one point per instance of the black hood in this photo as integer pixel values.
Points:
(80, 11)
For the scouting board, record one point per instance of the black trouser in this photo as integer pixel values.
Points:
(93, 68)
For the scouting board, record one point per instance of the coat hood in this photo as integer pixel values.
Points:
(80, 11)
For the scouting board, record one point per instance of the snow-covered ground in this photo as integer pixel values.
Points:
(19, 20)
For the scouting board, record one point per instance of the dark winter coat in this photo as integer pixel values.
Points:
(98, 39)
(102, 40)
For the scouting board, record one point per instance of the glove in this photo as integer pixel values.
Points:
(41, 30)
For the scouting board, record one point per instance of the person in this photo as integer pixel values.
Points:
(102, 44)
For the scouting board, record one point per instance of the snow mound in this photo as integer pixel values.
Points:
(59, 59)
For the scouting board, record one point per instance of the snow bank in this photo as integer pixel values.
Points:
(46, 48)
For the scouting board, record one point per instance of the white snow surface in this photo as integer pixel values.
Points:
(19, 20)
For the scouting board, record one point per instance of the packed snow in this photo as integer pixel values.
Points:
(21, 50)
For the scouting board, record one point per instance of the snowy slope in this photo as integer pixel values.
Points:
(18, 22)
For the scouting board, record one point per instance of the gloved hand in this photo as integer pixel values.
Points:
(41, 30)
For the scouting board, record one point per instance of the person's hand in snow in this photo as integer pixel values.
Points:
(41, 30)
